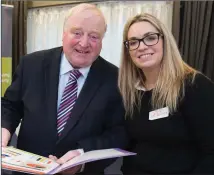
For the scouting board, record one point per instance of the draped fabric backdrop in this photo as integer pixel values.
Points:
(196, 39)
(45, 25)
(19, 30)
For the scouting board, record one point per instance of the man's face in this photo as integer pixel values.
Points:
(82, 37)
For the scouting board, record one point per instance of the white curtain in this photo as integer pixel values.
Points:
(45, 25)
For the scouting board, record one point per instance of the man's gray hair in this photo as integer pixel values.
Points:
(82, 7)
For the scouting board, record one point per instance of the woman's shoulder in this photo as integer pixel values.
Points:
(198, 79)
(199, 83)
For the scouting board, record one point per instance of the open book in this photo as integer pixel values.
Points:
(18, 160)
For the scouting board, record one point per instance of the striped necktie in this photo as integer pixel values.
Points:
(68, 100)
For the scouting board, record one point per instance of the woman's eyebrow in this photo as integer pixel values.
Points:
(145, 34)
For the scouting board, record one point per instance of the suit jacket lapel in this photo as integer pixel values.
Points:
(87, 93)
(52, 68)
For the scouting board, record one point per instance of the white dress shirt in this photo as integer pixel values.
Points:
(65, 67)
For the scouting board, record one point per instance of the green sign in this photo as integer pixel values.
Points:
(6, 76)
(6, 36)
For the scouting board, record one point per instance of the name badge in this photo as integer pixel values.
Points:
(159, 113)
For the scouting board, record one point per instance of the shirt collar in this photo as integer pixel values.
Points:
(139, 86)
(65, 67)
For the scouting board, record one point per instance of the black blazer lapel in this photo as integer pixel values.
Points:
(87, 93)
(51, 73)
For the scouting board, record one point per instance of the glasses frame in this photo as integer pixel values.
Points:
(142, 40)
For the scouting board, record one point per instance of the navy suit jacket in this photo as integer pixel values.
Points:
(97, 120)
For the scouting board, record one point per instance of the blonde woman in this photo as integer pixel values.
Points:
(169, 105)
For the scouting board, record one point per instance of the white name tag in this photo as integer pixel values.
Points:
(159, 113)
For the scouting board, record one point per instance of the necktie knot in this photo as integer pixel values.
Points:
(75, 74)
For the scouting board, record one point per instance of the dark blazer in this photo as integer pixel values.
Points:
(97, 120)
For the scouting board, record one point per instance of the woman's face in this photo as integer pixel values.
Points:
(150, 51)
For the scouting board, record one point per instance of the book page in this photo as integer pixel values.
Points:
(93, 156)
(17, 160)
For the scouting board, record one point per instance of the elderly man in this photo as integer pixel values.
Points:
(67, 97)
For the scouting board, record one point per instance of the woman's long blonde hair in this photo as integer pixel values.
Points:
(169, 87)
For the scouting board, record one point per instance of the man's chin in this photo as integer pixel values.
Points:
(78, 65)
(80, 62)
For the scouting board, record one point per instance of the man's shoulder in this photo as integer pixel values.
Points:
(106, 65)
(42, 54)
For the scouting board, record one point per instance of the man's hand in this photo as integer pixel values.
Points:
(68, 156)
(5, 137)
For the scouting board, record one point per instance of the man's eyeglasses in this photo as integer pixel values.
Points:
(149, 40)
